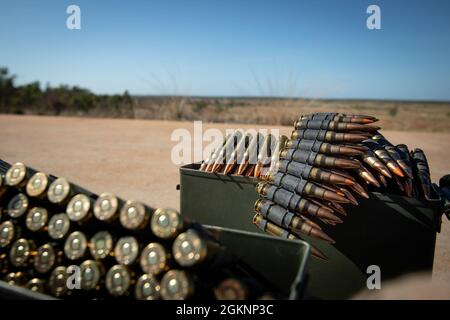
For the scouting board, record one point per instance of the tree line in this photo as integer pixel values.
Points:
(31, 98)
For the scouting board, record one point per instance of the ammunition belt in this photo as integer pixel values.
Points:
(311, 134)
(276, 214)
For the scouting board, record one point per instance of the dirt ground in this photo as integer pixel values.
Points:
(132, 158)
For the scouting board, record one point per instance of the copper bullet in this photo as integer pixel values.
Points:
(310, 222)
(342, 173)
(408, 186)
(300, 186)
(301, 170)
(359, 147)
(359, 190)
(339, 208)
(328, 207)
(403, 152)
(372, 160)
(278, 215)
(331, 176)
(330, 188)
(368, 135)
(385, 157)
(349, 196)
(226, 150)
(317, 253)
(265, 153)
(275, 230)
(205, 164)
(368, 176)
(328, 136)
(238, 153)
(422, 172)
(395, 153)
(399, 184)
(250, 155)
(319, 160)
(341, 118)
(382, 179)
(279, 145)
(294, 202)
(333, 126)
(250, 171)
(210, 161)
(322, 147)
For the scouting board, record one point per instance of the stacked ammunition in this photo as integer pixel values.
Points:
(244, 153)
(330, 160)
(60, 239)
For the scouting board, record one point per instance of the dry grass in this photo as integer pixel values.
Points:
(394, 115)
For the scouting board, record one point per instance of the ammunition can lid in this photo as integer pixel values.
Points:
(166, 223)
(58, 191)
(36, 285)
(45, 258)
(17, 205)
(105, 207)
(118, 280)
(58, 281)
(126, 250)
(101, 245)
(7, 233)
(36, 219)
(37, 184)
(75, 245)
(15, 174)
(78, 207)
(153, 259)
(133, 215)
(58, 226)
(147, 288)
(20, 252)
(176, 285)
(230, 289)
(90, 273)
(189, 249)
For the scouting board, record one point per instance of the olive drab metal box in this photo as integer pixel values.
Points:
(288, 284)
(393, 232)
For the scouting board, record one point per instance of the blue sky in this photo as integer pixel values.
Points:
(318, 48)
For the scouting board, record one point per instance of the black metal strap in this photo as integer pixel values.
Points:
(301, 170)
(277, 214)
(302, 156)
(265, 208)
(320, 116)
(283, 197)
(303, 144)
(313, 124)
(290, 182)
(311, 134)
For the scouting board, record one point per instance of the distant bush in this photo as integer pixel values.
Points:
(393, 111)
(62, 100)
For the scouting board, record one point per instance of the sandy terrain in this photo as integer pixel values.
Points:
(132, 158)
